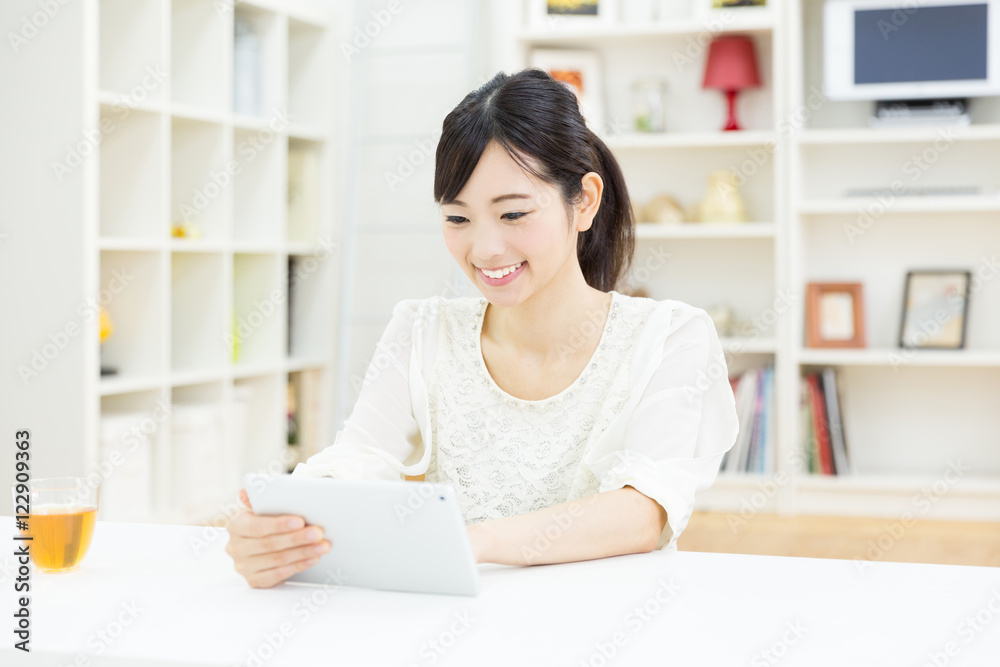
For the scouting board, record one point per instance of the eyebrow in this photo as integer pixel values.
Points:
(497, 200)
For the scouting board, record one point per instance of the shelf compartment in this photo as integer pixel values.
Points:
(696, 273)
(132, 46)
(132, 431)
(132, 291)
(199, 457)
(310, 280)
(200, 326)
(259, 419)
(305, 420)
(880, 262)
(896, 169)
(201, 184)
(303, 194)
(132, 174)
(700, 124)
(885, 410)
(652, 173)
(259, 308)
(258, 73)
(201, 47)
(309, 84)
(259, 198)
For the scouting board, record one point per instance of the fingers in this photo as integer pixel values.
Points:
(273, 577)
(309, 536)
(244, 499)
(276, 559)
(248, 524)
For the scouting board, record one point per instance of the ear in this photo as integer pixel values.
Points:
(590, 203)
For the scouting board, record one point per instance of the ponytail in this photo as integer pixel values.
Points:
(537, 120)
(605, 250)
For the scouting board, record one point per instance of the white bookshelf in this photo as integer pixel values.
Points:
(169, 158)
(904, 420)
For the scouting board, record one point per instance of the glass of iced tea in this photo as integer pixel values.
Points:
(62, 512)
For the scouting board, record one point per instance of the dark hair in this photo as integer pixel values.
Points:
(537, 120)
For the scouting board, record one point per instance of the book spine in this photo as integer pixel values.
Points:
(822, 427)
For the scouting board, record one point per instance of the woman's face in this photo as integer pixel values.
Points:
(504, 218)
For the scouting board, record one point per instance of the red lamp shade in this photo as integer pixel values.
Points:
(731, 67)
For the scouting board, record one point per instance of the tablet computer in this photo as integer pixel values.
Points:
(393, 536)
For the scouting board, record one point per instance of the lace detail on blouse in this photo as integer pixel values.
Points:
(505, 455)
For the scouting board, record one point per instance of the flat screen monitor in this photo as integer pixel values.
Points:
(877, 50)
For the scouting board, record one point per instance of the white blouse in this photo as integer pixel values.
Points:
(653, 409)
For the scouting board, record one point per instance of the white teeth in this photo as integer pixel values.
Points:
(502, 272)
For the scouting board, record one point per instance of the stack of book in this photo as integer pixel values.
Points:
(754, 448)
(822, 424)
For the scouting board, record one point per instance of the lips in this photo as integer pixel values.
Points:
(495, 282)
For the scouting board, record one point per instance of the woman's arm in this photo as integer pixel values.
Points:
(612, 523)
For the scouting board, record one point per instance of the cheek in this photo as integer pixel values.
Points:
(453, 241)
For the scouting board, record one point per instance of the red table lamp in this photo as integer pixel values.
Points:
(731, 66)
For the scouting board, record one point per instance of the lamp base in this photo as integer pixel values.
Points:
(731, 123)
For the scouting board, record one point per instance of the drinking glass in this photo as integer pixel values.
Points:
(62, 512)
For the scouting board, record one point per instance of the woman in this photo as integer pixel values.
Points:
(574, 422)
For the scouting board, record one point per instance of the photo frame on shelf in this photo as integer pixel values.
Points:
(835, 315)
(935, 309)
(580, 70)
(562, 14)
(716, 8)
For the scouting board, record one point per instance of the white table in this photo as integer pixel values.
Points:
(168, 604)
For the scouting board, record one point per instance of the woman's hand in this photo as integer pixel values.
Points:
(266, 550)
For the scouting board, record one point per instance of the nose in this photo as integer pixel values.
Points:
(487, 242)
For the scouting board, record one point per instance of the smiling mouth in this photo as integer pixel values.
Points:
(496, 275)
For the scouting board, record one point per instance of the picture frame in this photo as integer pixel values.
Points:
(935, 309)
(708, 9)
(563, 14)
(835, 315)
(581, 71)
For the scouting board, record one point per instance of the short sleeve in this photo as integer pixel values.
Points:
(381, 436)
(683, 424)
